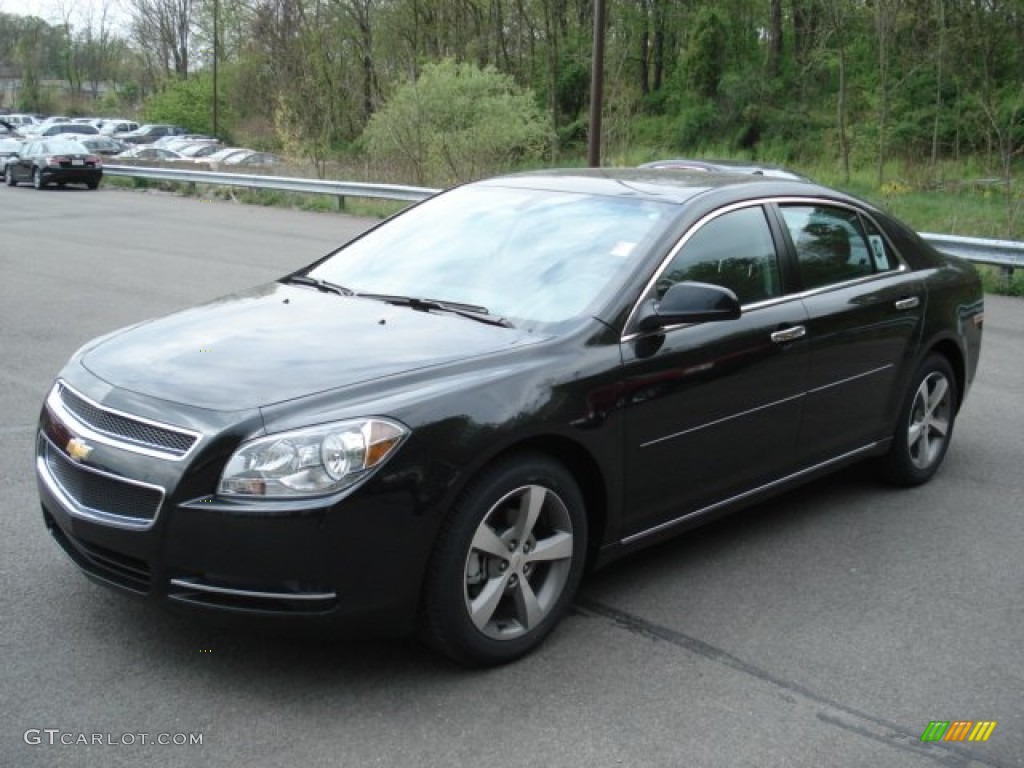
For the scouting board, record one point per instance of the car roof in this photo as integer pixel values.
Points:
(673, 186)
(734, 166)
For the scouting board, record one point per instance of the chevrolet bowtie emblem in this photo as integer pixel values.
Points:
(78, 450)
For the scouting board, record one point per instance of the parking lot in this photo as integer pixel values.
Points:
(825, 628)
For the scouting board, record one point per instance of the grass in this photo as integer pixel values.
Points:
(995, 280)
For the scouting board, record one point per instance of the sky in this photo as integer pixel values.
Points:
(50, 10)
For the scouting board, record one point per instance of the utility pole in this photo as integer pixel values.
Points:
(596, 87)
(216, 13)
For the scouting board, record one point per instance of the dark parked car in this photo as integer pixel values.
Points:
(441, 424)
(54, 161)
(150, 132)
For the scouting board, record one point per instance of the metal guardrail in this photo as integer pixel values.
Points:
(1008, 254)
(339, 189)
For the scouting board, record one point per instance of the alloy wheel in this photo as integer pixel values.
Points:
(930, 420)
(519, 562)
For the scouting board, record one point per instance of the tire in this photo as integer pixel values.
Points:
(506, 564)
(925, 425)
(9, 177)
(37, 179)
(92, 184)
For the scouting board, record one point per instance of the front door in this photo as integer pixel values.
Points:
(713, 409)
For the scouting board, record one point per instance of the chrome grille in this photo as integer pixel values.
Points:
(99, 493)
(125, 428)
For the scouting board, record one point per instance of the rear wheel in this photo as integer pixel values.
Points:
(507, 563)
(37, 179)
(9, 177)
(92, 184)
(925, 426)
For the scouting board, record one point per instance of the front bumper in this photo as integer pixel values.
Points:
(148, 525)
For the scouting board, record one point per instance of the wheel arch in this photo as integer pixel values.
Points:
(584, 468)
(950, 350)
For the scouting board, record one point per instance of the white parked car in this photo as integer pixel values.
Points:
(115, 125)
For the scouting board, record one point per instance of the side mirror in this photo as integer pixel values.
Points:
(689, 303)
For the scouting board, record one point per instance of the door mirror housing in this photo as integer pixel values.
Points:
(689, 302)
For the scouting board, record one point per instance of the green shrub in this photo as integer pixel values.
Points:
(457, 122)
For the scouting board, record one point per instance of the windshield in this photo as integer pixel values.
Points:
(527, 255)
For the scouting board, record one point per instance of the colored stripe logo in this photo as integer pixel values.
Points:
(958, 730)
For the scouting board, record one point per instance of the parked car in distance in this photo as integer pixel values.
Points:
(146, 152)
(115, 125)
(171, 142)
(254, 158)
(9, 147)
(56, 129)
(150, 132)
(196, 151)
(19, 119)
(222, 155)
(54, 161)
(440, 425)
(724, 166)
(102, 145)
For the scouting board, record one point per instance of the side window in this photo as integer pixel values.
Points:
(734, 250)
(831, 245)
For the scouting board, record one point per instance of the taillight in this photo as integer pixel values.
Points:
(57, 160)
(94, 159)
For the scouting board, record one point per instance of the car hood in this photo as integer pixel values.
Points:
(280, 342)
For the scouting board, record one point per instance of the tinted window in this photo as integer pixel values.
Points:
(735, 250)
(832, 245)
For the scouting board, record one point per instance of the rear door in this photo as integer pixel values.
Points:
(864, 310)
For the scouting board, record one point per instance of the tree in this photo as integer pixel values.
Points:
(457, 122)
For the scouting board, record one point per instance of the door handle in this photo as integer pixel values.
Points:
(908, 303)
(789, 334)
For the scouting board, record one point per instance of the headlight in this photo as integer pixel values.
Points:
(311, 462)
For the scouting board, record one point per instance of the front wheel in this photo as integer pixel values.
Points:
(9, 177)
(925, 426)
(507, 563)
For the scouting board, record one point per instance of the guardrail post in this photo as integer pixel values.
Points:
(341, 202)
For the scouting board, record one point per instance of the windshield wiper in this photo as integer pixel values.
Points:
(471, 311)
(321, 285)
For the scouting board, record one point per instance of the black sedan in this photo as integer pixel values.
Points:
(54, 161)
(441, 425)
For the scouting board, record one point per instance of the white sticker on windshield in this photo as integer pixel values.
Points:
(623, 249)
